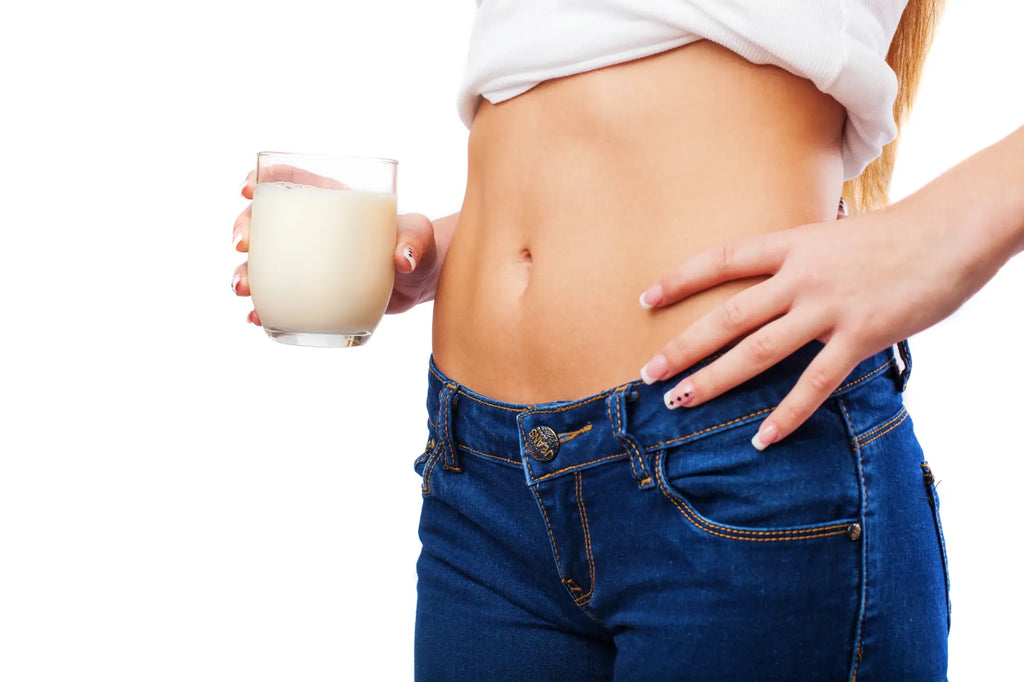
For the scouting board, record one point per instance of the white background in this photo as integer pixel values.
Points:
(180, 497)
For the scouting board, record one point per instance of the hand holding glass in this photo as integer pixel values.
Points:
(321, 244)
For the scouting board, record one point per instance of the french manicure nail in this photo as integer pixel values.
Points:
(651, 297)
(679, 396)
(234, 282)
(654, 369)
(407, 252)
(765, 436)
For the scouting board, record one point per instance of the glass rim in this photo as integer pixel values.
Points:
(337, 157)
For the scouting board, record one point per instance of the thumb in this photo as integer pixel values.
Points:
(415, 242)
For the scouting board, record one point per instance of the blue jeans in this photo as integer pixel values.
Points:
(611, 538)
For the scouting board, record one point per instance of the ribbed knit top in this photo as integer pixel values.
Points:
(840, 45)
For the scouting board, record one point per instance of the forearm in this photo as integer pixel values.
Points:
(980, 201)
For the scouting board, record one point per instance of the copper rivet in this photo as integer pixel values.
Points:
(853, 531)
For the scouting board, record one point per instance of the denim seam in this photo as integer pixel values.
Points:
(447, 446)
(575, 467)
(635, 456)
(710, 428)
(900, 418)
(513, 462)
(777, 535)
(855, 446)
(551, 534)
(428, 469)
(867, 376)
(585, 598)
(933, 494)
(895, 416)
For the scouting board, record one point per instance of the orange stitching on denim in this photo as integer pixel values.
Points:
(586, 535)
(428, 469)
(782, 534)
(891, 419)
(711, 428)
(855, 449)
(576, 404)
(573, 434)
(608, 413)
(522, 435)
(629, 443)
(877, 436)
(574, 467)
(446, 444)
(484, 454)
(866, 376)
(554, 545)
(882, 426)
(490, 404)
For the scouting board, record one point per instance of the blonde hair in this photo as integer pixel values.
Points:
(907, 52)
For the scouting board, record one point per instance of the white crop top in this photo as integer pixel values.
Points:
(840, 45)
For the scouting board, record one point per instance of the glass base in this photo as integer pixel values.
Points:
(318, 340)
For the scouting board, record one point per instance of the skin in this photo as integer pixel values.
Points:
(737, 254)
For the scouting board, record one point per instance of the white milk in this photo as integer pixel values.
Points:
(320, 260)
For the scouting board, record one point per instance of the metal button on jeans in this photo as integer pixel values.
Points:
(542, 443)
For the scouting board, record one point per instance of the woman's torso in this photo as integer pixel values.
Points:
(585, 190)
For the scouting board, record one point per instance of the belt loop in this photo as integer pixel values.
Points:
(904, 348)
(638, 462)
(445, 415)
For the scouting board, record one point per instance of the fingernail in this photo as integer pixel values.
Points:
(651, 297)
(236, 239)
(241, 190)
(654, 369)
(680, 396)
(765, 436)
(234, 282)
(407, 252)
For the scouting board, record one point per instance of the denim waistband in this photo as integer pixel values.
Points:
(629, 420)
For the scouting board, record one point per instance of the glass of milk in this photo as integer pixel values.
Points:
(321, 243)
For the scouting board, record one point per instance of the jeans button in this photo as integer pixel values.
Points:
(542, 443)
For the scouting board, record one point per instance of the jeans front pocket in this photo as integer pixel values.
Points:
(933, 501)
(805, 486)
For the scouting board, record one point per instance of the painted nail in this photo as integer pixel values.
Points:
(407, 252)
(651, 297)
(234, 282)
(236, 239)
(680, 396)
(654, 369)
(765, 436)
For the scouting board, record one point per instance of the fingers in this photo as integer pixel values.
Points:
(751, 356)
(826, 371)
(240, 280)
(746, 257)
(249, 184)
(240, 232)
(253, 318)
(738, 314)
(415, 242)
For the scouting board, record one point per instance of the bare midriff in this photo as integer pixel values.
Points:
(583, 191)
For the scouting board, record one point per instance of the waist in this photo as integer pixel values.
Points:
(559, 437)
(585, 190)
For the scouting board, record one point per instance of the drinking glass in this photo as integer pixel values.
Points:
(321, 245)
